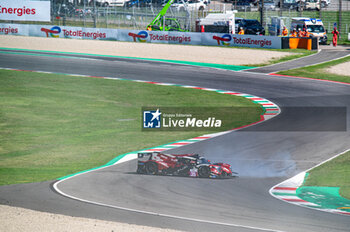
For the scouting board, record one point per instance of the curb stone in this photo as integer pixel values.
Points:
(289, 191)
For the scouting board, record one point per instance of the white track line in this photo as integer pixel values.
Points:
(158, 214)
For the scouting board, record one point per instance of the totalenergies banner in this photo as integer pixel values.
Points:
(58, 31)
(75, 33)
(142, 36)
(168, 37)
(252, 41)
(24, 10)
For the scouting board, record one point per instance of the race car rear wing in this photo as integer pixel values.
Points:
(144, 156)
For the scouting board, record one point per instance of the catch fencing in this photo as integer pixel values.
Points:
(90, 14)
(168, 37)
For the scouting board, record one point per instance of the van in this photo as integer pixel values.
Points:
(313, 26)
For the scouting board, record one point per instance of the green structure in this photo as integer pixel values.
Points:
(161, 23)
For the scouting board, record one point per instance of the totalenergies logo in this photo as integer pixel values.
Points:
(53, 32)
(141, 36)
(225, 39)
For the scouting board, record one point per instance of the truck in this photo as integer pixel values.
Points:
(313, 26)
(218, 23)
(161, 23)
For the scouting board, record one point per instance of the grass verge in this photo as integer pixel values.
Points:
(297, 53)
(335, 173)
(54, 125)
(318, 71)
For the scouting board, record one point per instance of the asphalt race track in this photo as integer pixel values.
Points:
(264, 155)
(327, 53)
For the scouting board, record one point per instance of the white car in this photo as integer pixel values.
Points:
(312, 5)
(111, 2)
(325, 3)
(191, 5)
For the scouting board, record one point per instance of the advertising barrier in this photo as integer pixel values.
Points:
(140, 36)
(75, 33)
(58, 32)
(252, 41)
(309, 43)
(168, 37)
(22, 10)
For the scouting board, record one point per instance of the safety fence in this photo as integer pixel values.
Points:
(168, 37)
(91, 14)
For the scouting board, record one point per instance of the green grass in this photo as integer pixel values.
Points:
(335, 173)
(344, 42)
(318, 71)
(297, 53)
(55, 125)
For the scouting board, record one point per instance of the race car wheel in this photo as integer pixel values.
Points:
(224, 175)
(151, 168)
(204, 172)
(139, 170)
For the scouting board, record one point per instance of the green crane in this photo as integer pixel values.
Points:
(171, 24)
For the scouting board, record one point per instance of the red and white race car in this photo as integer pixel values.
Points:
(193, 165)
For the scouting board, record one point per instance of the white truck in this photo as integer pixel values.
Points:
(218, 23)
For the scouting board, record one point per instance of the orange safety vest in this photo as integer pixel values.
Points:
(241, 32)
(285, 32)
(306, 34)
(294, 34)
